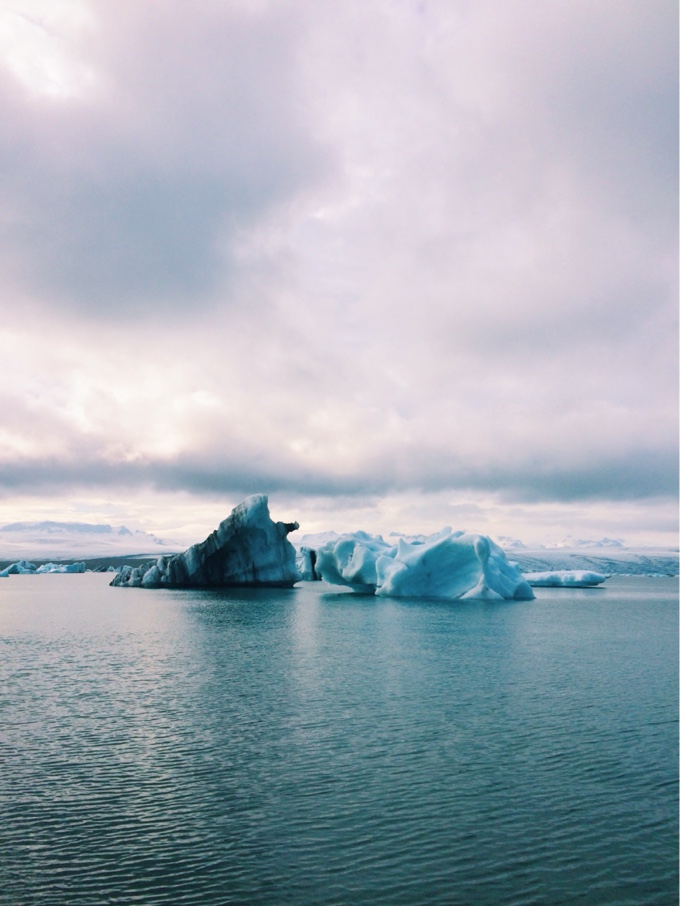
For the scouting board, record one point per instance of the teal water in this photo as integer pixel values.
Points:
(316, 747)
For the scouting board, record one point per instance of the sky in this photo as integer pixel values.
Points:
(398, 264)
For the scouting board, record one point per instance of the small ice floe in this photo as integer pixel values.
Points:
(565, 578)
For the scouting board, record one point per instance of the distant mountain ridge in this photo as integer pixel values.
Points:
(76, 540)
(81, 527)
(570, 542)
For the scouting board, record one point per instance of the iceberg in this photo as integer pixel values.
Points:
(20, 568)
(61, 568)
(565, 578)
(448, 565)
(24, 568)
(247, 549)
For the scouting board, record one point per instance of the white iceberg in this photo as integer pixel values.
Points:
(61, 568)
(448, 565)
(20, 568)
(247, 549)
(565, 578)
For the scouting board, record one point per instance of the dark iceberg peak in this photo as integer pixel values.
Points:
(247, 549)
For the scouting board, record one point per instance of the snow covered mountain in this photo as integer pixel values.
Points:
(578, 543)
(76, 540)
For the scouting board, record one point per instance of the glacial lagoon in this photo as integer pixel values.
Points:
(313, 746)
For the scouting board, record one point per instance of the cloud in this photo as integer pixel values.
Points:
(242, 465)
(126, 200)
(354, 252)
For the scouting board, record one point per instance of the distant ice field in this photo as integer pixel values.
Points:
(626, 562)
(317, 746)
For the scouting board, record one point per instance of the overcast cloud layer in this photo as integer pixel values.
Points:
(396, 263)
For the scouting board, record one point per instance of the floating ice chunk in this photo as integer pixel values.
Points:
(247, 549)
(23, 567)
(20, 568)
(567, 578)
(446, 565)
(61, 568)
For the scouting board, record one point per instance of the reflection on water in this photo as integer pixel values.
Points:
(307, 746)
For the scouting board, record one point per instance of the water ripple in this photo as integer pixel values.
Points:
(306, 748)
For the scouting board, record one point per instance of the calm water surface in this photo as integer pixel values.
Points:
(317, 747)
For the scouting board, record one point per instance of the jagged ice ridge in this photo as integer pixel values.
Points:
(247, 549)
